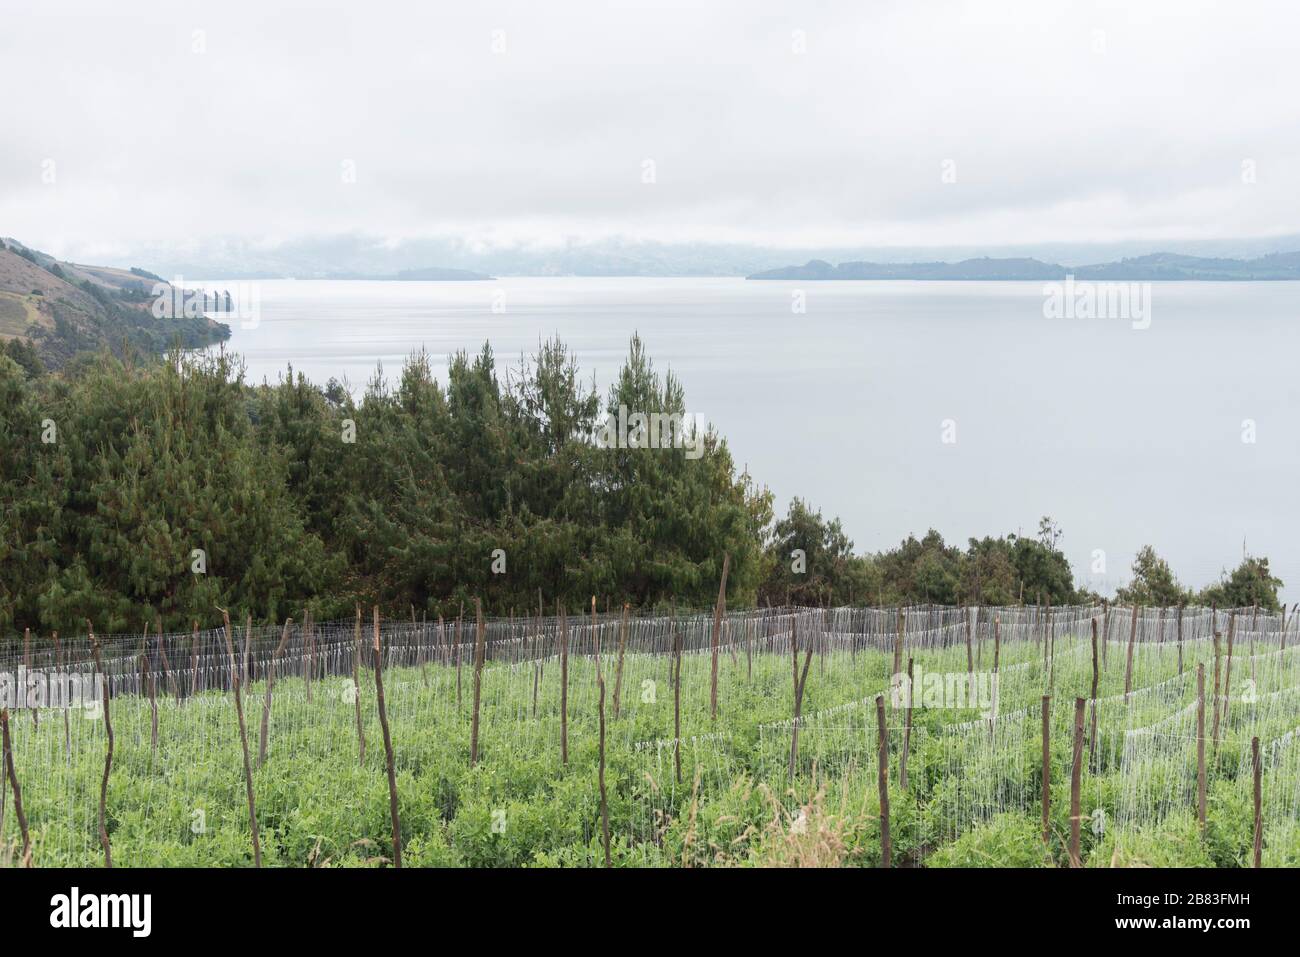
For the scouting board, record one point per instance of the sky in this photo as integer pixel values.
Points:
(786, 124)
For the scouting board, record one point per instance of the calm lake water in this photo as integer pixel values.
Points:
(1125, 436)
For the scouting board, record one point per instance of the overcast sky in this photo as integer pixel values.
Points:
(1073, 122)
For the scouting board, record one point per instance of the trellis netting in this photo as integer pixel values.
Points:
(685, 783)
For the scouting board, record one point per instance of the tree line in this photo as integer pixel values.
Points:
(136, 489)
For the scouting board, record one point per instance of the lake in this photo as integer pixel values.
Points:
(901, 406)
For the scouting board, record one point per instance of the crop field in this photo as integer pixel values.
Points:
(751, 784)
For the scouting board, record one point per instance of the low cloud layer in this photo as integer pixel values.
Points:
(815, 124)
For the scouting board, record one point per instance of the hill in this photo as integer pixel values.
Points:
(60, 308)
(1157, 267)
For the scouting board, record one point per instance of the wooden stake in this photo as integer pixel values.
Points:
(604, 801)
(1200, 744)
(248, 641)
(1180, 639)
(67, 728)
(997, 642)
(907, 729)
(460, 637)
(718, 610)
(1128, 667)
(1075, 773)
(1227, 677)
(882, 781)
(618, 669)
(108, 755)
(1105, 631)
(677, 700)
(564, 688)
(153, 713)
(1092, 735)
(194, 660)
(388, 747)
(479, 637)
(356, 685)
(18, 792)
(970, 654)
(799, 683)
(308, 653)
(1217, 668)
(749, 651)
(898, 643)
(1259, 822)
(270, 687)
(1047, 767)
(27, 665)
(243, 740)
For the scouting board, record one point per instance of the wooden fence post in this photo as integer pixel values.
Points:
(108, 755)
(67, 728)
(1049, 648)
(1227, 676)
(1105, 631)
(1200, 743)
(1218, 665)
(18, 792)
(479, 636)
(248, 642)
(970, 654)
(163, 659)
(618, 669)
(604, 801)
(243, 740)
(718, 610)
(308, 650)
(270, 686)
(1047, 767)
(997, 642)
(907, 728)
(1128, 666)
(194, 660)
(882, 781)
(356, 685)
(564, 688)
(1075, 773)
(388, 747)
(677, 700)
(151, 685)
(799, 683)
(1259, 822)
(1092, 736)
(460, 636)
(27, 666)
(1180, 639)
(898, 643)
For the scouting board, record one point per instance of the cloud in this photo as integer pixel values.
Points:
(505, 122)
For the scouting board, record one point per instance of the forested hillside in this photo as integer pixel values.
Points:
(56, 310)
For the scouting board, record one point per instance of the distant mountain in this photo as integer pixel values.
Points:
(63, 308)
(1155, 267)
(440, 275)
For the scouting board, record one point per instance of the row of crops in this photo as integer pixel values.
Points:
(686, 782)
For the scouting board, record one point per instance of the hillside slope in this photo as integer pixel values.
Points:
(63, 308)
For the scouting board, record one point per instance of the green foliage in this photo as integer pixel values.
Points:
(1153, 583)
(292, 492)
(1250, 583)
